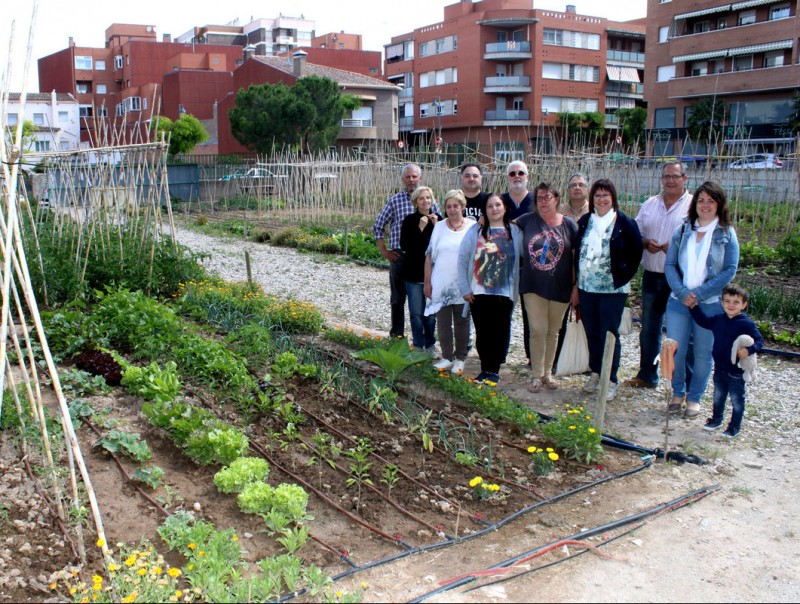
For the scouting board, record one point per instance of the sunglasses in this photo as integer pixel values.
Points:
(520, 173)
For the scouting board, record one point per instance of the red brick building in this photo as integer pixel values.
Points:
(744, 53)
(496, 72)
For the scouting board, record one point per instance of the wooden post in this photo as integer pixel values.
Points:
(247, 266)
(599, 413)
(346, 237)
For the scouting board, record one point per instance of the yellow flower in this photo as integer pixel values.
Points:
(53, 586)
(553, 456)
(178, 593)
(72, 590)
(97, 579)
(201, 553)
(130, 561)
(549, 449)
(531, 449)
(572, 427)
(191, 567)
(113, 567)
(364, 585)
(97, 586)
(100, 542)
(592, 430)
(174, 573)
(142, 571)
(158, 570)
(131, 597)
(235, 537)
(475, 481)
(192, 546)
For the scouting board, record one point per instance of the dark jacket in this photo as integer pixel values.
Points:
(414, 244)
(725, 331)
(625, 246)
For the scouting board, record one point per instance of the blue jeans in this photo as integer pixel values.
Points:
(422, 327)
(655, 293)
(682, 328)
(602, 313)
(398, 298)
(729, 383)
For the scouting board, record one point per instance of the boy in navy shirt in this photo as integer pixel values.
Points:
(729, 377)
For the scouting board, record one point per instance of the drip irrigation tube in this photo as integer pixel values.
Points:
(493, 527)
(687, 499)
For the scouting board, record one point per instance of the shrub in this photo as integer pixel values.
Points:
(789, 252)
(287, 238)
(573, 434)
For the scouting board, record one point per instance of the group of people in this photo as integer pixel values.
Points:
(489, 249)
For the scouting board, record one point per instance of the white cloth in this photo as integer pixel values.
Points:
(443, 250)
(658, 223)
(599, 227)
(747, 364)
(697, 255)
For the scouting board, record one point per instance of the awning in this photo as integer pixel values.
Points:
(709, 11)
(750, 3)
(700, 56)
(748, 50)
(622, 74)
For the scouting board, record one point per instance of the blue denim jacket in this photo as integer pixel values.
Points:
(723, 260)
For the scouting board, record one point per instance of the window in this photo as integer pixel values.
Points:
(38, 119)
(665, 73)
(101, 89)
(102, 111)
(664, 118)
(13, 118)
(781, 11)
(746, 17)
(84, 111)
(63, 116)
(41, 146)
(557, 104)
(517, 103)
(100, 65)
(83, 87)
(118, 62)
(83, 62)
(701, 26)
(438, 78)
(743, 63)
(63, 146)
(554, 37)
(722, 22)
(144, 103)
(663, 34)
(774, 59)
(719, 66)
(699, 68)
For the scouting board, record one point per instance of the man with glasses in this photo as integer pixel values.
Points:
(657, 219)
(396, 209)
(577, 203)
(471, 184)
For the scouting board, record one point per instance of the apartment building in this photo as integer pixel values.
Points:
(374, 123)
(265, 36)
(55, 119)
(124, 81)
(745, 53)
(495, 73)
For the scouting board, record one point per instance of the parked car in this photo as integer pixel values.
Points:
(759, 161)
(255, 180)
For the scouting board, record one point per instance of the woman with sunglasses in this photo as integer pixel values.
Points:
(488, 279)
(546, 278)
(609, 253)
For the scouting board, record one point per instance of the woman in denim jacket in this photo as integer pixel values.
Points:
(702, 259)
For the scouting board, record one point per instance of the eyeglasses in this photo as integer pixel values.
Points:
(544, 198)
(520, 173)
(672, 176)
(578, 185)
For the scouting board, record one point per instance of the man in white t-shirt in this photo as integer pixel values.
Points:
(658, 218)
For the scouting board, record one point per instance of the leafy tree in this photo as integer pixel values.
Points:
(579, 128)
(706, 118)
(184, 135)
(307, 114)
(794, 119)
(28, 130)
(632, 122)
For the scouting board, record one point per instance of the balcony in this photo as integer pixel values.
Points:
(358, 130)
(623, 56)
(406, 123)
(514, 51)
(624, 89)
(741, 35)
(508, 84)
(783, 78)
(351, 123)
(406, 93)
(507, 117)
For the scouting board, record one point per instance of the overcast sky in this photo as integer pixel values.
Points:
(87, 20)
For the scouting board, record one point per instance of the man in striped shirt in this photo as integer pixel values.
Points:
(658, 218)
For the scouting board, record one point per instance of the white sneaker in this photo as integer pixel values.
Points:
(612, 391)
(457, 368)
(591, 385)
(431, 350)
(444, 365)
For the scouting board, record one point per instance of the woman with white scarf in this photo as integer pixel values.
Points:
(610, 249)
(702, 259)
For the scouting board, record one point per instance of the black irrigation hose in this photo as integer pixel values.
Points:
(482, 532)
(687, 499)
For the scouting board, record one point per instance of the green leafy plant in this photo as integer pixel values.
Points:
(243, 471)
(360, 464)
(574, 434)
(542, 460)
(482, 490)
(789, 252)
(288, 499)
(293, 538)
(219, 444)
(465, 458)
(127, 443)
(151, 382)
(76, 383)
(391, 476)
(393, 360)
(149, 475)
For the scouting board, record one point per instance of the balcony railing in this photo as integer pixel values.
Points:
(406, 93)
(508, 115)
(510, 46)
(350, 123)
(508, 81)
(624, 88)
(623, 55)
(406, 122)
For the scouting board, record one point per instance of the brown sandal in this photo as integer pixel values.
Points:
(550, 382)
(692, 410)
(535, 386)
(676, 406)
